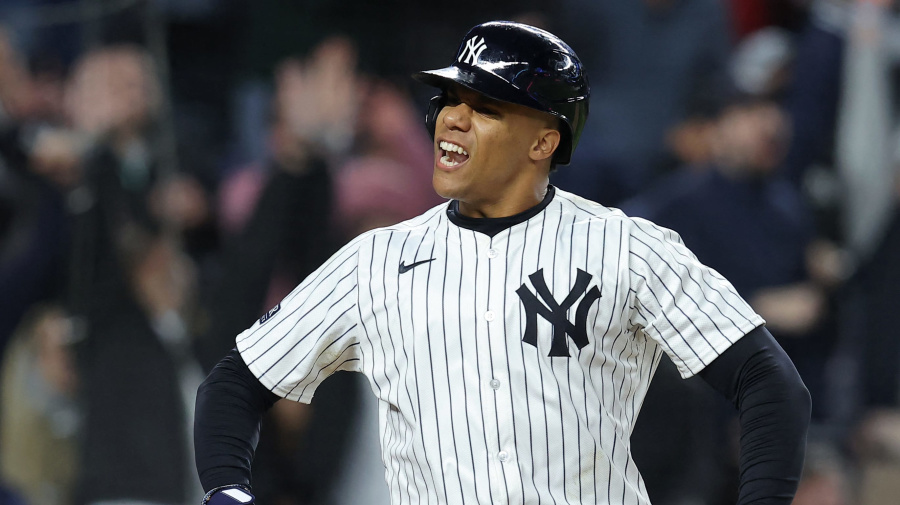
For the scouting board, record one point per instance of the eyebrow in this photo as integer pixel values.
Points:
(477, 100)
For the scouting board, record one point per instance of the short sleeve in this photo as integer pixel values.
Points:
(311, 334)
(688, 308)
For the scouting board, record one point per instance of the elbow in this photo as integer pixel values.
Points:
(798, 408)
(798, 395)
(804, 400)
(203, 392)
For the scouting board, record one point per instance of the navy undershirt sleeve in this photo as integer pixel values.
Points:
(230, 405)
(773, 405)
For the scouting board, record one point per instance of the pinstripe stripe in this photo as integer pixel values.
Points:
(392, 438)
(524, 369)
(542, 384)
(569, 362)
(420, 445)
(515, 434)
(447, 371)
(434, 393)
(459, 305)
(553, 363)
(475, 313)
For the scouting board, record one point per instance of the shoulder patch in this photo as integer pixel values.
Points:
(274, 310)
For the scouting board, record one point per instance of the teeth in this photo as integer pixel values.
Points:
(453, 148)
(448, 162)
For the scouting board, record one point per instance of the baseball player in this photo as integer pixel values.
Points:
(511, 334)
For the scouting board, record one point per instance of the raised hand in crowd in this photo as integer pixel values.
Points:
(316, 104)
(113, 92)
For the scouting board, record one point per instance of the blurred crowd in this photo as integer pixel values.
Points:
(170, 169)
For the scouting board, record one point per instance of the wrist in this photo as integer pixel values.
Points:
(231, 494)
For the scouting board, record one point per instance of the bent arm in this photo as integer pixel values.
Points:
(774, 405)
(230, 404)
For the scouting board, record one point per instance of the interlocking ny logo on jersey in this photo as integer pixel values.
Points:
(473, 49)
(555, 313)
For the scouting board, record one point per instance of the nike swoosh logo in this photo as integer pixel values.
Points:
(406, 268)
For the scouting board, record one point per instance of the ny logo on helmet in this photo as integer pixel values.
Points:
(555, 313)
(473, 49)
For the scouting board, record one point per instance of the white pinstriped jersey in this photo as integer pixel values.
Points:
(508, 368)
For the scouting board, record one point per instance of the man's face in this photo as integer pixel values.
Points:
(481, 147)
(752, 138)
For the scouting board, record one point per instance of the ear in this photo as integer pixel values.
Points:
(545, 145)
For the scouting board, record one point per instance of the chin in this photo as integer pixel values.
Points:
(443, 187)
(445, 193)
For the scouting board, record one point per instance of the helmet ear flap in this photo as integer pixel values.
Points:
(434, 108)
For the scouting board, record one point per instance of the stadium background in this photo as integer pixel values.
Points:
(170, 169)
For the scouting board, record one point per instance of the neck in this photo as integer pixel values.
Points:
(510, 204)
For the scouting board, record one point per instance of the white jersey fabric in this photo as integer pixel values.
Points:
(508, 369)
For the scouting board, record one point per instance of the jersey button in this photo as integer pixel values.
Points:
(489, 315)
(503, 456)
(492, 253)
(495, 384)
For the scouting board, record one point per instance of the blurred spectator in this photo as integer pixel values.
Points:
(389, 180)
(866, 146)
(276, 215)
(761, 65)
(877, 437)
(866, 156)
(879, 289)
(826, 479)
(270, 32)
(31, 214)
(648, 61)
(744, 221)
(36, 434)
(877, 449)
(348, 153)
(129, 286)
(811, 100)
(40, 417)
(277, 212)
(27, 94)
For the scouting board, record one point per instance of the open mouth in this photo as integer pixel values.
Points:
(452, 154)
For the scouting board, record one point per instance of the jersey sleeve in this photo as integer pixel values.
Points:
(311, 334)
(688, 308)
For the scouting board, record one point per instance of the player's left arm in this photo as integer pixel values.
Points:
(774, 405)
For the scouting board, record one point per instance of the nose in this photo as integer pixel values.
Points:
(457, 117)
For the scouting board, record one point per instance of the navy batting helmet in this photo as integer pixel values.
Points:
(520, 64)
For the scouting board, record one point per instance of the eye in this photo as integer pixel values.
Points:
(487, 110)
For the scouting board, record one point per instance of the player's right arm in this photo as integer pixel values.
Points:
(286, 354)
(230, 405)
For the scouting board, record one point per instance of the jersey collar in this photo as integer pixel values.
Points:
(491, 226)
